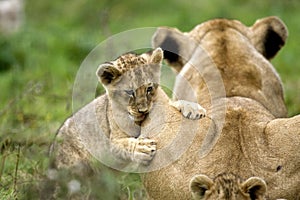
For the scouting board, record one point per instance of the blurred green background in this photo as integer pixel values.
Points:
(38, 65)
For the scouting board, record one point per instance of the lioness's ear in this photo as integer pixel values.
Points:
(107, 73)
(255, 187)
(269, 35)
(178, 48)
(199, 185)
(156, 56)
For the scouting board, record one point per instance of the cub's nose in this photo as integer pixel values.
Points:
(142, 109)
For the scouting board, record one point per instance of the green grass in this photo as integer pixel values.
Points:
(39, 63)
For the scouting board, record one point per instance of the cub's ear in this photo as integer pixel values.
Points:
(255, 187)
(269, 35)
(156, 56)
(107, 73)
(178, 47)
(200, 185)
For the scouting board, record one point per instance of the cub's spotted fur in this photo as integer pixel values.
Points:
(131, 82)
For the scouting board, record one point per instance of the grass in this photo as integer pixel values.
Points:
(38, 66)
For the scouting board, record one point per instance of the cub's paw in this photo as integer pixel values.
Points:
(144, 151)
(189, 109)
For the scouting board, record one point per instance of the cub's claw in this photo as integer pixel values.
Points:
(189, 109)
(144, 151)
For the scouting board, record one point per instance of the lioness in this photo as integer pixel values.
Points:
(251, 140)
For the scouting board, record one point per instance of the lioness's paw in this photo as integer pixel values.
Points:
(189, 109)
(144, 151)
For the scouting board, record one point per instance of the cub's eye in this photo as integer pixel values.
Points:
(130, 92)
(149, 89)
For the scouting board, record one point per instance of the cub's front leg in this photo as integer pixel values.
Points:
(189, 109)
(139, 150)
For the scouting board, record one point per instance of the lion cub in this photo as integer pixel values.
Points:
(227, 186)
(131, 82)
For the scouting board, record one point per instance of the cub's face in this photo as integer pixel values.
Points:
(135, 92)
(131, 82)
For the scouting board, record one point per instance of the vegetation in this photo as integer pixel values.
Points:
(38, 66)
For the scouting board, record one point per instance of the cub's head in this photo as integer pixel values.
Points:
(227, 186)
(131, 82)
